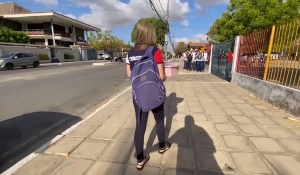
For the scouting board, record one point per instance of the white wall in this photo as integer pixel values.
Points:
(59, 54)
(36, 51)
(84, 54)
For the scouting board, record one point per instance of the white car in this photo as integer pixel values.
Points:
(103, 56)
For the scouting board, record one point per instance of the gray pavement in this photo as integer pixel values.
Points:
(216, 128)
(40, 104)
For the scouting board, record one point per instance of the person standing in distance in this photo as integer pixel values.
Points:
(146, 37)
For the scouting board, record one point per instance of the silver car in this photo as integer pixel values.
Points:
(11, 60)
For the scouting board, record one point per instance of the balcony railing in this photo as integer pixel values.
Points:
(46, 32)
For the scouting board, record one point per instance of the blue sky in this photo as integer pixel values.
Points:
(120, 15)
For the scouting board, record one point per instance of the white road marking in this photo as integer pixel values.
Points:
(22, 162)
(204, 82)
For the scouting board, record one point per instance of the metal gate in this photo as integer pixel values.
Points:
(92, 54)
(219, 58)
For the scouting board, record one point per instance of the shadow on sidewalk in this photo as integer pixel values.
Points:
(24, 134)
(174, 100)
(195, 137)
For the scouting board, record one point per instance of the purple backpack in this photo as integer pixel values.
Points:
(148, 90)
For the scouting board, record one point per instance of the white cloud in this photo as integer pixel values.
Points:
(110, 14)
(203, 4)
(185, 23)
(47, 2)
(177, 40)
(199, 38)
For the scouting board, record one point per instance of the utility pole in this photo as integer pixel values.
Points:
(173, 47)
(166, 35)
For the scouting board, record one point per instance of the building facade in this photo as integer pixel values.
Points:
(44, 28)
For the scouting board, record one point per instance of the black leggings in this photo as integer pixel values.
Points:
(141, 128)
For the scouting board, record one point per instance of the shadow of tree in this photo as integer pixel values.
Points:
(24, 134)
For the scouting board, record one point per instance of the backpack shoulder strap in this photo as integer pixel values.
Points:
(149, 50)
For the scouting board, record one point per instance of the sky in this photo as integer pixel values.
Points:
(189, 19)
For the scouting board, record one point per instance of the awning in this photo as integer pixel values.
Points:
(47, 16)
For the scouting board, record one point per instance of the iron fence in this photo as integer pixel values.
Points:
(252, 53)
(219, 63)
(284, 61)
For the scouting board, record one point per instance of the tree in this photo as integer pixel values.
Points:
(94, 40)
(11, 36)
(180, 48)
(160, 29)
(106, 41)
(128, 46)
(244, 16)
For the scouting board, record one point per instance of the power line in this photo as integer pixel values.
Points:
(154, 8)
(149, 6)
(180, 26)
(105, 9)
(164, 13)
(162, 8)
(71, 7)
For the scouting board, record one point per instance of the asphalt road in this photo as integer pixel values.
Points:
(38, 104)
(31, 69)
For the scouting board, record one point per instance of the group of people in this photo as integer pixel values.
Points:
(195, 60)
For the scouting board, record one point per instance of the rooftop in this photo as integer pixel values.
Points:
(197, 44)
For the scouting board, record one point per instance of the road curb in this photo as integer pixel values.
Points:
(62, 63)
(26, 159)
(98, 64)
(101, 64)
(50, 64)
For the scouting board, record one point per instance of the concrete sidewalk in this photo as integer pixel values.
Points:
(215, 127)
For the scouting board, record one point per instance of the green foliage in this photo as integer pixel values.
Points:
(10, 36)
(168, 53)
(43, 57)
(180, 48)
(68, 56)
(106, 41)
(160, 29)
(244, 16)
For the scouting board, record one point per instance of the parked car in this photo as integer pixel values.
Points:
(103, 56)
(11, 60)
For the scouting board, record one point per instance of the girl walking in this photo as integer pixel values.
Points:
(146, 37)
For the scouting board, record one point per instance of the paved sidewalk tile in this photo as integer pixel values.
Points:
(216, 128)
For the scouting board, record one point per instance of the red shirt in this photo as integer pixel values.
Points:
(135, 55)
(230, 57)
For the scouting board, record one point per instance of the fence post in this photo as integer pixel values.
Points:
(210, 58)
(236, 54)
(269, 52)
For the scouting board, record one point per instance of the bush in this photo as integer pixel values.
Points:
(68, 56)
(43, 57)
(10, 36)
